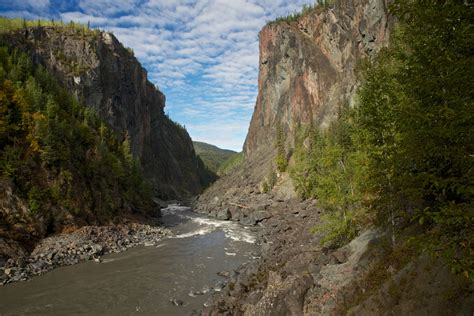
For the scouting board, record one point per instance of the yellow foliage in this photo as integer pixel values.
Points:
(33, 119)
(38, 116)
(20, 100)
(34, 146)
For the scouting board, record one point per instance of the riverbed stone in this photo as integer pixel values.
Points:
(176, 302)
(224, 274)
(9, 271)
(224, 214)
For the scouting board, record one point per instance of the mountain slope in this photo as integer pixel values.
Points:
(61, 167)
(80, 129)
(104, 75)
(306, 74)
(213, 156)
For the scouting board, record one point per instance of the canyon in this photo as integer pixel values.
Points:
(308, 74)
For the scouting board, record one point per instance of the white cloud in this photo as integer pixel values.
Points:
(36, 4)
(107, 7)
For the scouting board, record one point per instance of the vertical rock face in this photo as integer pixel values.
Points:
(307, 66)
(107, 77)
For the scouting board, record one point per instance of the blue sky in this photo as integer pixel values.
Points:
(203, 54)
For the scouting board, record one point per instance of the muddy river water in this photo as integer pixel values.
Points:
(176, 277)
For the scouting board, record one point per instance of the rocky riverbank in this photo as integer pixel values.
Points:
(296, 275)
(86, 243)
(289, 262)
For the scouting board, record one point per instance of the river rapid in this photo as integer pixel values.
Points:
(175, 277)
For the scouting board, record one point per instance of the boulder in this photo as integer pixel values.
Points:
(282, 297)
(224, 214)
(256, 217)
(176, 302)
(96, 249)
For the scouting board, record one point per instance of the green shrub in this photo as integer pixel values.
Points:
(232, 163)
(415, 120)
(332, 170)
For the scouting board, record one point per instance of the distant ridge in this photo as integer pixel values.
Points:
(213, 156)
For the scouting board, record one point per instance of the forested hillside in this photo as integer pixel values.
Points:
(59, 157)
(403, 155)
(212, 156)
(104, 75)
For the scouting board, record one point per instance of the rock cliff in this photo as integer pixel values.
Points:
(306, 73)
(106, 76)
(307, 67)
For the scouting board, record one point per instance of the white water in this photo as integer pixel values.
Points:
(231, 230)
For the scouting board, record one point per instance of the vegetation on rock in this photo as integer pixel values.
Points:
(404, 154)
(9, 24)
(281, 159)
(307, 9)
(58, 154)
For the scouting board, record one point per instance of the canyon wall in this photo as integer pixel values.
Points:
(307, 67)
(106, 76)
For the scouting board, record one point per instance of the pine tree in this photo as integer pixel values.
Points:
(281, 158)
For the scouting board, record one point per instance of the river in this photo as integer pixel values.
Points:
(175, 277)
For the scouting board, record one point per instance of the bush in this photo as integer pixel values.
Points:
(332, 170)
(403, 156)
(415, 121)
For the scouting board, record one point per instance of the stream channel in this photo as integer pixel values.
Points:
(176, 277)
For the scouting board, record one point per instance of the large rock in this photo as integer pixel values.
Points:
(282, 297)
(224, 214)
(256, 217)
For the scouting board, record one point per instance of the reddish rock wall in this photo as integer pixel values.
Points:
(307, 67)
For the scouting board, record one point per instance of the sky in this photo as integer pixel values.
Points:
(202, 54)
